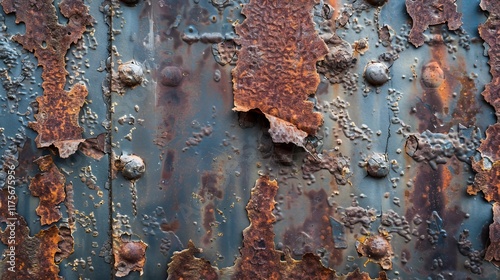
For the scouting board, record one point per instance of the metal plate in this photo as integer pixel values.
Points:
(369, 115)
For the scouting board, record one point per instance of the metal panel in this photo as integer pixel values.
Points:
(201, 117)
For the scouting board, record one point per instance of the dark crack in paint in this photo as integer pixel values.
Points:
(276, 68)
(57, 117)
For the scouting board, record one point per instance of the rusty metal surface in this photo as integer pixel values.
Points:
(276, 68)
(368, 130)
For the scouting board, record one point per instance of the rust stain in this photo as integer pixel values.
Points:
(31, 257)
(57, 117)
(493, 250)
(167, 170)
(490, 146)
(259, 259)
(490, 32)
(358, 275)
(210, 185)
(173, 226)
(317, 228)
(486, 180)
(336, 164)
(276, 68)
(208, 221)
(129, 255)
(431, 12)
(49, 187)
(428, 200)
(185, 265)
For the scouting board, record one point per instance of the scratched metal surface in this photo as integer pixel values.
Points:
(202, 159)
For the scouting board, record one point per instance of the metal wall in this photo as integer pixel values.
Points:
(314, 139)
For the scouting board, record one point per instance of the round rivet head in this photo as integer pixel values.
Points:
(377, 166)
(171, 76)
(131, 73)
(432, 75)
(376, 73)
(376, 247)
(132, 167)
(132, 252)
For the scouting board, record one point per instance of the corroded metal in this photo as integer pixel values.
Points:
(57, 116)
(388, 140)
(431, 12)
(276, 69)
(129, 255)
(49, 187)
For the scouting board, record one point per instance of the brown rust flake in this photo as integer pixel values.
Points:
(487, 178)
(66, 245)
(96, 147)
(276, 68)
(185, 265)
(129, 256)
(57, 117)
(35, 255)
(49, 187)
(431, 12)
(493, 250)
(489, 32)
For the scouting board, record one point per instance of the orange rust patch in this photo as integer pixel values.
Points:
(276, 68)
(490, 146)
(34, 256)
(486, 180)
(129, 256)
(259, 259)
(49, 187)
(431, 12)
(185, 265)
(493, 250)
(57, 117)
(490, 34)
(66, 245)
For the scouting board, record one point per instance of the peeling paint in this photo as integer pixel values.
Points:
(57, 117)
(276, 76)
